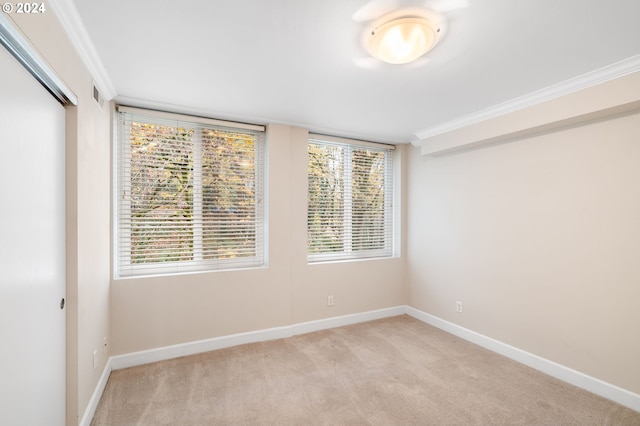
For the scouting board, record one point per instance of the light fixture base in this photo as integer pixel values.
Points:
(403, 36)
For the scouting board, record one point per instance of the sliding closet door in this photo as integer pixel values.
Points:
(32, 250)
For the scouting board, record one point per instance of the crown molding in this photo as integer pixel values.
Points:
(207, 113)
(583, 81)
(67, 14)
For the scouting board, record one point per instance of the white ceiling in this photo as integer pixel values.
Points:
(301, 62)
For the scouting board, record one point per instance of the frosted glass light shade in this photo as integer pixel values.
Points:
(403, 40)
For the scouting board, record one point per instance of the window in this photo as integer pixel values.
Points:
(189, 194)
(350, 201)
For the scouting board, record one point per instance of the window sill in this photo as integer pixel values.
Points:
(350, 260)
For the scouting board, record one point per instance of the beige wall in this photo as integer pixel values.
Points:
(539, 238)
(88, 204)
(148, 313)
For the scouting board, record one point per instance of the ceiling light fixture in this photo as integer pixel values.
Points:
(402, 39)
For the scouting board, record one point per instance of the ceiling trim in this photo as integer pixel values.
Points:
(583, 81)
(181, 109)
(67, 14)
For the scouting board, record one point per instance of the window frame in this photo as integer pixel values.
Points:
(121, 152)
(347, 253)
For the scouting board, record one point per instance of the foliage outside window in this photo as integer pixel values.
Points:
(189, 196)
(350, 201)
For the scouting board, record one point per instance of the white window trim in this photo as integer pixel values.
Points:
(198, 264)
(390, 201)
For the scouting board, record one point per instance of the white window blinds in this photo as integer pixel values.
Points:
(350, 201)
(189, 194)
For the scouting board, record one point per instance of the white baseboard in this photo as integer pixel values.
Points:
(566, 374)
(576, 378)
(192, 348)
(97, 394)
(323, 324)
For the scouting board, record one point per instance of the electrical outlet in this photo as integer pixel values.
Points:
(330, 300)
(459, 306)
(95, 359)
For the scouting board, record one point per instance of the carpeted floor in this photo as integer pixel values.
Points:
(395, 371)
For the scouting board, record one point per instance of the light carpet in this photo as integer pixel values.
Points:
(395, 371)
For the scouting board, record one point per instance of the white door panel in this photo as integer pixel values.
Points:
(32, 250)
